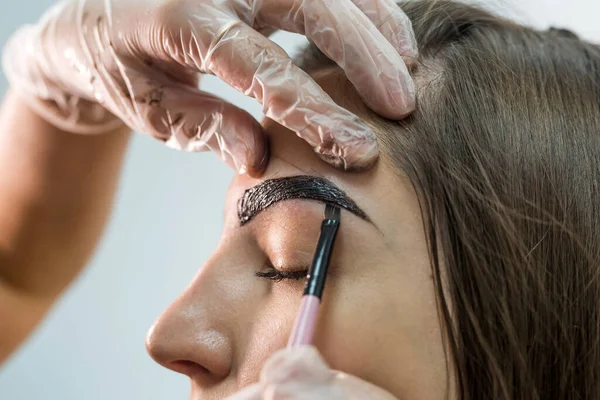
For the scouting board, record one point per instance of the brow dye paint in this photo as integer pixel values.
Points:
(272, 191)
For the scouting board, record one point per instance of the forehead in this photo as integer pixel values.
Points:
(380, 192)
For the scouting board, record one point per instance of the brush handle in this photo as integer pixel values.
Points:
(304, 326)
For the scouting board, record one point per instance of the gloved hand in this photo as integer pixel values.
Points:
(90, 64)
(301, 374)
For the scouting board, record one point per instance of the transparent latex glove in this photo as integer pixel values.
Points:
(90, 65)
(301, 374)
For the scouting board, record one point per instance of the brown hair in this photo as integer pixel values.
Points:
(504, 153)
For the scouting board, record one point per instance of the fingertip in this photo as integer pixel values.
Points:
(410, 59)
(262, 154)
(358, 166)
(243, 144)
(398, 28)
(407, 100)
(350, 149)
(397, 99)
(407, 45)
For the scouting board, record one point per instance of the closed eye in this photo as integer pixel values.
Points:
(276, 275)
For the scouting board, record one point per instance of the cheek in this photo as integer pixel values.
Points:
(355, 326)
(378, 321)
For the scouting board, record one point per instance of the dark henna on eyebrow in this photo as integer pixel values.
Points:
(269, 192)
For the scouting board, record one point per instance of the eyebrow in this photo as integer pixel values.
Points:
(272, 191)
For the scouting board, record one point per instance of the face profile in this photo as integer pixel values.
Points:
(416, 218)
(445, 245)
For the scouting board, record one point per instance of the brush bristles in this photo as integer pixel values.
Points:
(332, 212)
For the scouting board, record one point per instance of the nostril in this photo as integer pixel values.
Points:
(189, 368)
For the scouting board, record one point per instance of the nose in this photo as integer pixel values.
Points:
(184, 340)
(192, 336)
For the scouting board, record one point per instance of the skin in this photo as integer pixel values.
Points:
(378, 320)
(60, 199)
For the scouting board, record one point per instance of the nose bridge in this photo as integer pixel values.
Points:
(201, 324)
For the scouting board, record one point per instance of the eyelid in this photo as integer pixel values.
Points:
(274, 274)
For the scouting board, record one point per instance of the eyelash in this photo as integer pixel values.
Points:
(276, 275)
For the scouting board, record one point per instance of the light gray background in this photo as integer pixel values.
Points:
(166, 221)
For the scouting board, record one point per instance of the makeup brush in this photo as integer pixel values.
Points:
(304, 326)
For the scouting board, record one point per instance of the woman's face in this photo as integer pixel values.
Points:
(378, 319)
